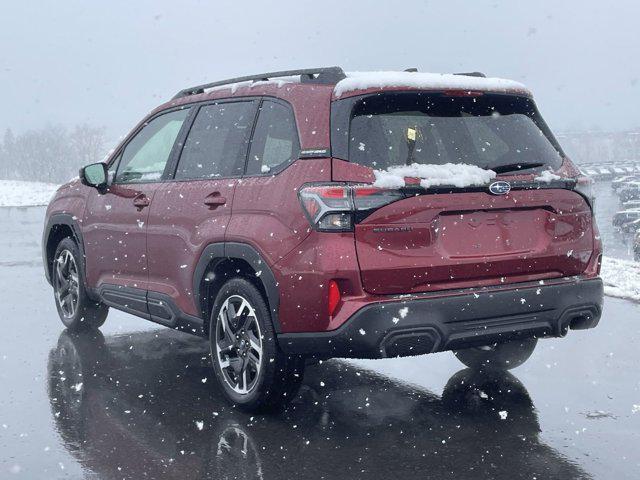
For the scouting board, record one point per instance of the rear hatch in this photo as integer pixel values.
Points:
(453, 232)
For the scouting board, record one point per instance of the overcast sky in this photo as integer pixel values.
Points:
(110, 62)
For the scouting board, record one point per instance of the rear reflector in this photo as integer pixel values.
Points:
(334, 296)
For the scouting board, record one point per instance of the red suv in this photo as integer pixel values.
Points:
(314, 213)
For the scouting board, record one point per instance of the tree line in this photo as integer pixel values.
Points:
(50, 154)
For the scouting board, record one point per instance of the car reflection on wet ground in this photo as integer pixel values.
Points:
(149, 411)
(136, 401)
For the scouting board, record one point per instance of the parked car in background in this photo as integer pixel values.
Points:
(630, 227)
(629, 191)
(312, 213)
(625, 216)
(621, 181)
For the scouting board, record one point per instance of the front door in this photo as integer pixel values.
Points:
(115, 223)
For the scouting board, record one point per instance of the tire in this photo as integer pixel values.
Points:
(500, 356)
(252, 371)
(76, 310)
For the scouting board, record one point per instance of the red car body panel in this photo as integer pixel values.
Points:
(439, 241)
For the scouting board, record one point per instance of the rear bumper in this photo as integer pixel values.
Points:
(416, 326)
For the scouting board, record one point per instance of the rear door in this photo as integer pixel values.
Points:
(193, 209)
(115, 222)
(266, 210)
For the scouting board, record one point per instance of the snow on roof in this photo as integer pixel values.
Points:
(366, 80)
(279, 82)
(449, 174)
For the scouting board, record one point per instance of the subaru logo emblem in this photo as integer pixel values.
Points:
(500, 188)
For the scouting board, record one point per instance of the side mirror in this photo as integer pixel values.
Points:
(94, 175)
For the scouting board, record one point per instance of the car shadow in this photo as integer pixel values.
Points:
(145, 405)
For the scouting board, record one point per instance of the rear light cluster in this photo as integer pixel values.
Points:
(336, 208)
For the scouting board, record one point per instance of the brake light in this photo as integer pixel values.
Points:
(336, 208)
(334, 296)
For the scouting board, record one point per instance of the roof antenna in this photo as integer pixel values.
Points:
(411, 70)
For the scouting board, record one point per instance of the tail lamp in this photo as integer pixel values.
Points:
(337, 207)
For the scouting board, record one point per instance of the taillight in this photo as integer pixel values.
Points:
(336, 207)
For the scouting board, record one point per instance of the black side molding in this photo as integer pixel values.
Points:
(60, 219)
(157, 307)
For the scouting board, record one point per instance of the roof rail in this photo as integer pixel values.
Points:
(326, 75)
(472, 74)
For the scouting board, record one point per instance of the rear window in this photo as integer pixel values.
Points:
(488, 130)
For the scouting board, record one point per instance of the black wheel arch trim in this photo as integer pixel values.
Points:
(217, 252)
(61, 219)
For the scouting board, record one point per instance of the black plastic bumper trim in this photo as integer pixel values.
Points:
(439, 323)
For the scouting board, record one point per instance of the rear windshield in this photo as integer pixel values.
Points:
(487, 130)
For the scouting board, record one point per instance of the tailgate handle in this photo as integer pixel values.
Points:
(214, 200)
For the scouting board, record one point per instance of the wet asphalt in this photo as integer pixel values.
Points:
(138, 401)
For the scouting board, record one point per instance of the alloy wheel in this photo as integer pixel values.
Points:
(67, 285)
(238, 343)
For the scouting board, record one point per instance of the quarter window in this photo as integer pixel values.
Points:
(217, 142)
(275, 140)
(146, 155)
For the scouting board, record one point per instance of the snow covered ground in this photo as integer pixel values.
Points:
(15, 193)
(621, 278)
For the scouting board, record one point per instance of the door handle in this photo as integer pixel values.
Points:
(140, 201)
(214, 200)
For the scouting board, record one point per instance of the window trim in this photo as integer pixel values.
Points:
(116, 157)
(181, 140)
(284, 165)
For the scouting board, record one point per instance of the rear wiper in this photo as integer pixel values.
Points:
(512, 167)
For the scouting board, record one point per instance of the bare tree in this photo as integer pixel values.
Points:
(50, 154)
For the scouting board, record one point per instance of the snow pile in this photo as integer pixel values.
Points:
(15, 193)
(547, 176)
(429, 81)
(450, 174)
(621, 278)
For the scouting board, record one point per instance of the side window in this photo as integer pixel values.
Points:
(146, 155)
(217, 142)
(275, 140)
